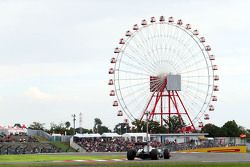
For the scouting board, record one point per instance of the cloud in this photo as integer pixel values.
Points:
(18, 71)
(36, 94)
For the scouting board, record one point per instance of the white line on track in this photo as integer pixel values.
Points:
(80, 160)
(101, 160)
(117, 159)
(228, 161)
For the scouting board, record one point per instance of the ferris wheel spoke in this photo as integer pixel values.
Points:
(154, 86)
(196, 63)
(138, 58)
(161, 42)
(185, 49)
(191, 54)
(181, 54)
(141, 60)
(151, 61)
(194, 87)
(195, 76)
(195, 96)
(181, 43)
(127, 112)
(199, 91)
(197, 69)
(190, 97)
(132, 79)
(156, 42)
(137, 84)
(132, 101)
(187, 59)
(133, 92)
(132, 72)
(142, 94)
(139, 68)
(173, 36)
(151, 39)
(142, 43)
(194, 82)
(191, 106)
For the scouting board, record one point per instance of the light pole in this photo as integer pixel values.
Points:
(120, 129)
(74, 123)
(147, 132)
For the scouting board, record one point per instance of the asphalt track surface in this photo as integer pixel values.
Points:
(176, 157)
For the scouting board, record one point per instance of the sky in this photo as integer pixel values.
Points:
(55, 55)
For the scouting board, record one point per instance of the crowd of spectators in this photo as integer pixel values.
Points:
(21, 137)
(104, 144)
(118, 144)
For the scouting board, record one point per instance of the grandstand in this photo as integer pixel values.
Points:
(109, 142)
(174, 142)
(15, 140)
(23, 144)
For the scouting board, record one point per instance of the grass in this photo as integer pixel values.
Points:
(47, 158)
(64, 146)
(133, 164)
(41, 139)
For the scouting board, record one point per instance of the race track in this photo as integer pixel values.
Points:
(196, 157)
(175, 157)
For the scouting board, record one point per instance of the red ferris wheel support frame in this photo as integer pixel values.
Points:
(173, 99)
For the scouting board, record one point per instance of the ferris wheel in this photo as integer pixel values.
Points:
(163, 68)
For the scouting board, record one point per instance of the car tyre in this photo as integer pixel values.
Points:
(166, 154)
(131, 154)
(154, 154)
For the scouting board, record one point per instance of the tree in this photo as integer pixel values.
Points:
(103, 129)
(37, 126)
(174, 124)
(231, 129)
(122, 128)
(84, 130)
(139, 126)
(67, 124)
(243, 130)
(57, 128)
(153, 126)
(97, 123)
(17, 125)
(98, 128)
(212, 130)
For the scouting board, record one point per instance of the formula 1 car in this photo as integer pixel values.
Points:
(147, 152)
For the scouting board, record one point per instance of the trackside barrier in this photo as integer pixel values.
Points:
(229, 149)
(40, 133)
(76, 146)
